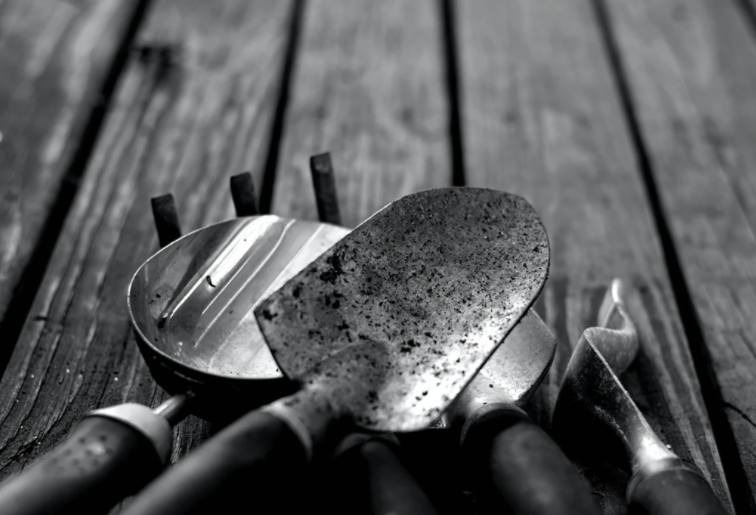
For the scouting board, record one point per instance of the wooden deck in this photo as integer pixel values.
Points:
(630, 126)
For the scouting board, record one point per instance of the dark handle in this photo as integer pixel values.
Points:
(676, 490)
(102, 462)
(233, 472)
(392, 489)
(519, 465)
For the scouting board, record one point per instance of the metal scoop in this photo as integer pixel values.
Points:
(592, 406)
(382, 332)
(191, 308)
(514, 461)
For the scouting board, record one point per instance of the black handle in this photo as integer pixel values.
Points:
(233, 472)
(102, 461)
(519, 465)
(676, 490)
(391, 488)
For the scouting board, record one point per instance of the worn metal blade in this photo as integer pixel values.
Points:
(519, 366)
(510, 375)
(592, 400)
(193, 300)
(399, 315)
(615, 337)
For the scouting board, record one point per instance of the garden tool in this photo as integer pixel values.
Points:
(190, 306)
(513, 460)
(592, 406)
(381, 332)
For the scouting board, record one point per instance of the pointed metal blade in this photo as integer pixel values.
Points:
(399, 315)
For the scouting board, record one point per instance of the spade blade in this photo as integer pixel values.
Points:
(397, 317)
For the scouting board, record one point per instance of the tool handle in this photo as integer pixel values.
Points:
(674, 490)
(101, 462)
(392, 489)
(519, 465)
(234, 469)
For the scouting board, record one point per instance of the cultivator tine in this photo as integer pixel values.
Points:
(243, 194)
(166, 219)
(325, 189)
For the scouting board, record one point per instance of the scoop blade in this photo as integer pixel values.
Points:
(398, 316)
(193, 300)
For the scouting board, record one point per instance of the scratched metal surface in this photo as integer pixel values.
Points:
(193, 300)
(411, 303)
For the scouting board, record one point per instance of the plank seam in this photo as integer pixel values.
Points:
(279, 118)
(30, 280)
(749, 13)
(449, 38)
(724, 437)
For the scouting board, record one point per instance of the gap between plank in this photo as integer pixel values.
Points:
(449, 37)
(277, 126)
(723, 435)
(748, 12)
(31, 277)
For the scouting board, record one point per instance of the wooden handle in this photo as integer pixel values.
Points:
(101, 462)
(674, 490)
(233, 472)
(520, 466)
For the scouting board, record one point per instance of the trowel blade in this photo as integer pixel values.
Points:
(519, 365)
(398, 316)
(512, 373)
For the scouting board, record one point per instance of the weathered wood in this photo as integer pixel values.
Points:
(193, 107)
(369, 87)
(366, 90)
(691, 70)
(543, 119)
(54, 61)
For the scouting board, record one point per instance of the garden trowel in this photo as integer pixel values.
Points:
(382, 332)
(513, 461)
(594, 409)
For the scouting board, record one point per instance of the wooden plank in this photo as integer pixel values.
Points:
(692, 76)
(55, 58)
(369, 89)
(542, 118)
(193, 108)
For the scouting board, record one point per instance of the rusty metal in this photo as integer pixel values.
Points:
(165, 214)
(243, 195)
(391, 323)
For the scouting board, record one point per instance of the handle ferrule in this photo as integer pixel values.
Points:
(154, 427)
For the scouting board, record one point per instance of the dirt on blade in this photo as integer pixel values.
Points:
(397, 317)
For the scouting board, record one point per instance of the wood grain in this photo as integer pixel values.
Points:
(193, 108)
(542, 118)
(369, 88)
(54, 58)
(692, 77)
